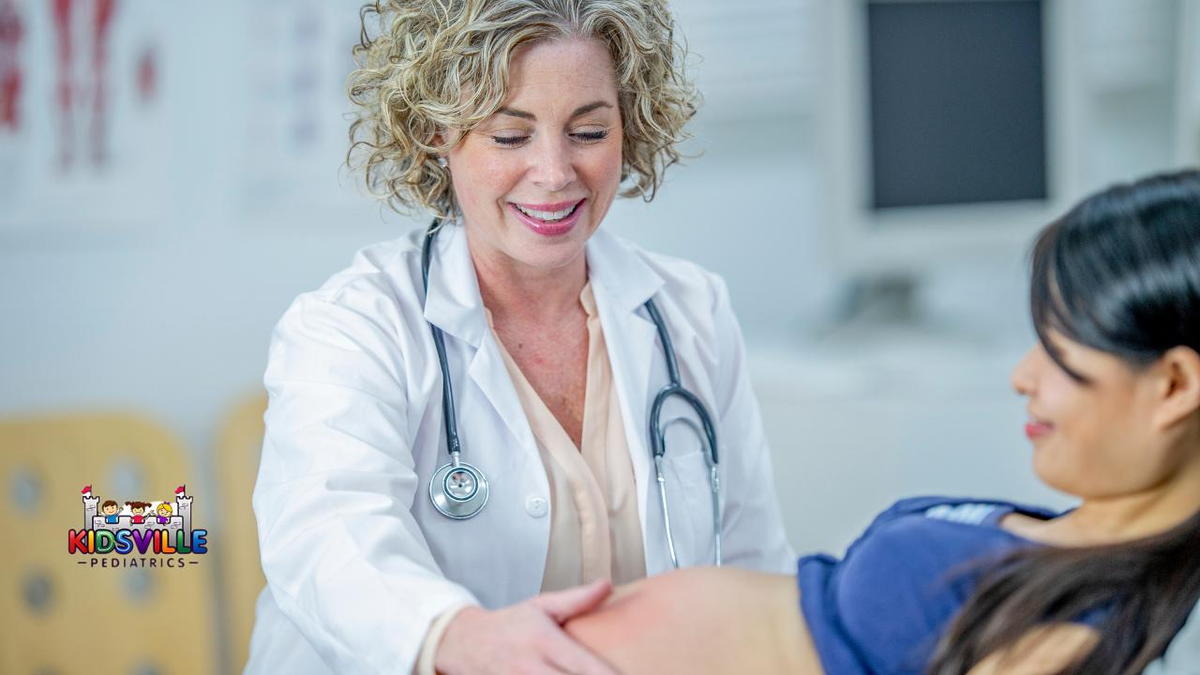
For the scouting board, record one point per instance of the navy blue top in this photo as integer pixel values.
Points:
(882, 609)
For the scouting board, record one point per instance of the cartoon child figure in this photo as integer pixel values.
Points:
(164, 513)
(137, 510)
(109, 510)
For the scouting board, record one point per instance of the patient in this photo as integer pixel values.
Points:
(979, 586)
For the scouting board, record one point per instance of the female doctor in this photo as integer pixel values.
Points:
(466, 426)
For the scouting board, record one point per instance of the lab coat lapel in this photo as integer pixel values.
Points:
(622, 282)
(454, 304)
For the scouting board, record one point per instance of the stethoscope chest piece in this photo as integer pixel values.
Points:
(458, 491)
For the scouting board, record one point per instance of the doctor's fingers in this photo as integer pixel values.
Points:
(564, 605)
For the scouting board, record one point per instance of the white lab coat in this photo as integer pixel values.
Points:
(358, 562)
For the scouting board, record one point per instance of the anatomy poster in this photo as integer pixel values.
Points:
(295, 133)
(82, 128)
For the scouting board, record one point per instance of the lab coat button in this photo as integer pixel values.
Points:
(535, 506)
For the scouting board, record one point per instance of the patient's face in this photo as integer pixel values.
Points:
(1092, 439)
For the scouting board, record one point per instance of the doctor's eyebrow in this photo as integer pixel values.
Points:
(581, 110)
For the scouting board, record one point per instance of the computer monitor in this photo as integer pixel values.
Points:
(946, 127)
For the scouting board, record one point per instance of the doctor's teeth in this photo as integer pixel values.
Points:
(547, 215)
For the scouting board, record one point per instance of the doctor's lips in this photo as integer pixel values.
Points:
(549, 219)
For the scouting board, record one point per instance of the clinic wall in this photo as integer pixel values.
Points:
(172, 314)
(173, 317)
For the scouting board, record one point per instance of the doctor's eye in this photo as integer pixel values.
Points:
(509, 141)
(590, 136)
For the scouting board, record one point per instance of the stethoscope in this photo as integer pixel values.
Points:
(460, 491)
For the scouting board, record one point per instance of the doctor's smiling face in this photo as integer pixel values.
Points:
(534, 180)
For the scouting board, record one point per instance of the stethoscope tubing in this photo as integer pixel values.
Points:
(657, 433)
(453, 445)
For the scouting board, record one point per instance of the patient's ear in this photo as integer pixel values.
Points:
(1177, 388)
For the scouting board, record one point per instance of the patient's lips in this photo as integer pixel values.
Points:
(1036, 428)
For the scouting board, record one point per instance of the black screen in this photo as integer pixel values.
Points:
(957, 102)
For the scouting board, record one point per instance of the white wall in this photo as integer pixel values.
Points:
(173, 317)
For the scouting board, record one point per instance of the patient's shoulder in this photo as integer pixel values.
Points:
(961, 510)
(922, 545)
(886, 602)
(931, 534)
(923, 538)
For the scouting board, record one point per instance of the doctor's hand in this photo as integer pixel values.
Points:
(523, 638)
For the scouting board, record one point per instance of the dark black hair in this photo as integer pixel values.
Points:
(1119, 273)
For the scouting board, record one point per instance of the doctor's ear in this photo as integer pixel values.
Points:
(442, 139)
(445, 140)
(438, 141)
(1178, 386)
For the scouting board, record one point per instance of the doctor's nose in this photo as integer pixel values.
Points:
(552, 166)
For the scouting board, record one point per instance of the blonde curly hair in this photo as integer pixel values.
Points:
(430, 66)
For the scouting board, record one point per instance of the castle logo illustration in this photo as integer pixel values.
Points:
(141, 533)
